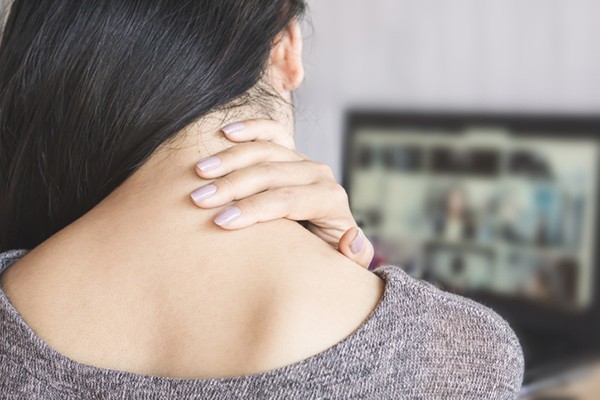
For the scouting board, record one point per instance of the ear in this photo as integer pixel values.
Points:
(286, 68)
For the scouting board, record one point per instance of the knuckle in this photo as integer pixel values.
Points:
(250, 206)
(286, 196)
(267, 168)
(290, 144)
(268, 150)
(320, 171)
(340, 192)
(268, 172)
(228, 184)
(325, 170)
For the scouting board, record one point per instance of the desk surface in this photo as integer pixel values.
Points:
(585, 388)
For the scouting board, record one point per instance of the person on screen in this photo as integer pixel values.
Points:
(456, 221)
(150, 194)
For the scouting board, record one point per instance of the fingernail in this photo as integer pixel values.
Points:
(234, 128)
(204, 193)
(209, 164)
(228, 215)
(358, 243)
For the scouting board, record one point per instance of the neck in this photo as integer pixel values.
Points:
(150, 219)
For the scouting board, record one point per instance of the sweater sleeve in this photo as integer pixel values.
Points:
(455, 347)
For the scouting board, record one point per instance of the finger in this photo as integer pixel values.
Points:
(261, 130)
(296, 203)
(243, 155)
(355, 245)
(258, 178)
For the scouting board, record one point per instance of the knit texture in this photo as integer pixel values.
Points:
(418, 343)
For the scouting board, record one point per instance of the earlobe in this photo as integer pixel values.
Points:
(295, 78)
(286, 59)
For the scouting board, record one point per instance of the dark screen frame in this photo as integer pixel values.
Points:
(578, 333)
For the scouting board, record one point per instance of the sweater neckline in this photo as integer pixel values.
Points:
(59, 366)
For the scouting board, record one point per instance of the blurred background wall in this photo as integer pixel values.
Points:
(493, 55)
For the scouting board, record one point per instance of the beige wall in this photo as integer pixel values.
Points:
(512, 55)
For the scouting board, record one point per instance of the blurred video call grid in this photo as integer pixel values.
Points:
(480, 211)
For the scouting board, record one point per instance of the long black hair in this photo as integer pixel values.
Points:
(89, 89)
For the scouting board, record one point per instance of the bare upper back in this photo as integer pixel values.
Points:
(193, 323)
(418, 342)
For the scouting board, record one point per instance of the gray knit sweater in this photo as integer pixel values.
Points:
(419, 343)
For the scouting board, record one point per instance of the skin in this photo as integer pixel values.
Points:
(276, 181)
(146, 282)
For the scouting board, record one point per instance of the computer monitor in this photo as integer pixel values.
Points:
(499, 208)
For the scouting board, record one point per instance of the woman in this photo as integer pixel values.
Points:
(117, 285)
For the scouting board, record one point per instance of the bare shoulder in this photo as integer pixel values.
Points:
(315, 308)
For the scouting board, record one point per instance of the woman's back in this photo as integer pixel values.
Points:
(214, 318)
(418, 342)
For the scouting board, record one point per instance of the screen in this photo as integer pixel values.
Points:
(481, 210)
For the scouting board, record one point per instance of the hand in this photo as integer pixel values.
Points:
(270, 180)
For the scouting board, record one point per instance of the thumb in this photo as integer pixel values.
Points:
(355, 245)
